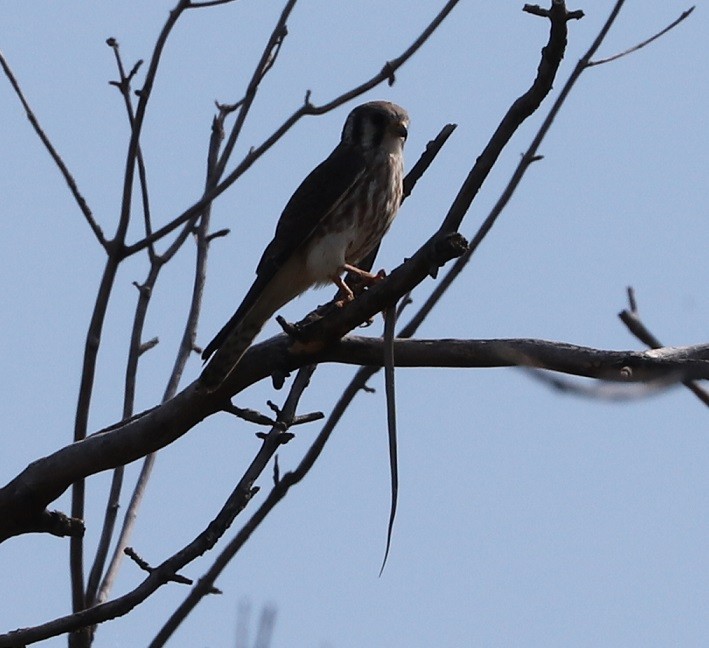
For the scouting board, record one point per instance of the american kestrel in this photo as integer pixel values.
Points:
(334, 219)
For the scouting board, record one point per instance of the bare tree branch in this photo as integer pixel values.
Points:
(519, 111)
(271, 442)
(184, 350)
(124, 87)
(531, 155)
(207, 3)
(631, 318)
(639, 46)
(26, 496)
(265, 63)
(63, 169)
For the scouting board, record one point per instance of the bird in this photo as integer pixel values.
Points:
(335, 218)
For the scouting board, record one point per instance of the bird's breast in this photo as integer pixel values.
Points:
(357, 224)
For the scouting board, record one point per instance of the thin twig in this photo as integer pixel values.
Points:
(631, 318)
(145, 566)
(116, 252)
(112, 505)
(426, 159)
(88, 372)
(639, 46)
(63, 169)
(271, 442)
(184, 350)
(249, 415)
(140, 111)
(530, 156)
(207, 3)
(265, 63)
(124, 87)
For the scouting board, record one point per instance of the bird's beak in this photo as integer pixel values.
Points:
(400, 130)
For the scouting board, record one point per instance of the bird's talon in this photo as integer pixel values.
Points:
(345, 300)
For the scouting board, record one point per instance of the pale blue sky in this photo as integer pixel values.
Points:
(526, 518)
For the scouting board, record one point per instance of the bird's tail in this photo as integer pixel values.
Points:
(227, 356)
(236, 337)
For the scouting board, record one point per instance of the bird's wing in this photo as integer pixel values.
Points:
(323, 190)
(327, 185)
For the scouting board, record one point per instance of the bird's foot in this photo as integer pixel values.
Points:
(367, 277)
(344, 300)
(356, 282)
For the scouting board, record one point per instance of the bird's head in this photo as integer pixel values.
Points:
(377, 126)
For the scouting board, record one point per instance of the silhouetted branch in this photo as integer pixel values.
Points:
(184, 350)
(63, 169)
(639, 46)
(26, 496)
(271, 442)
(521, 109)
(631, 318)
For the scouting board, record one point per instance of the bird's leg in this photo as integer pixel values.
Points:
(367, 277)
(345, 290)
